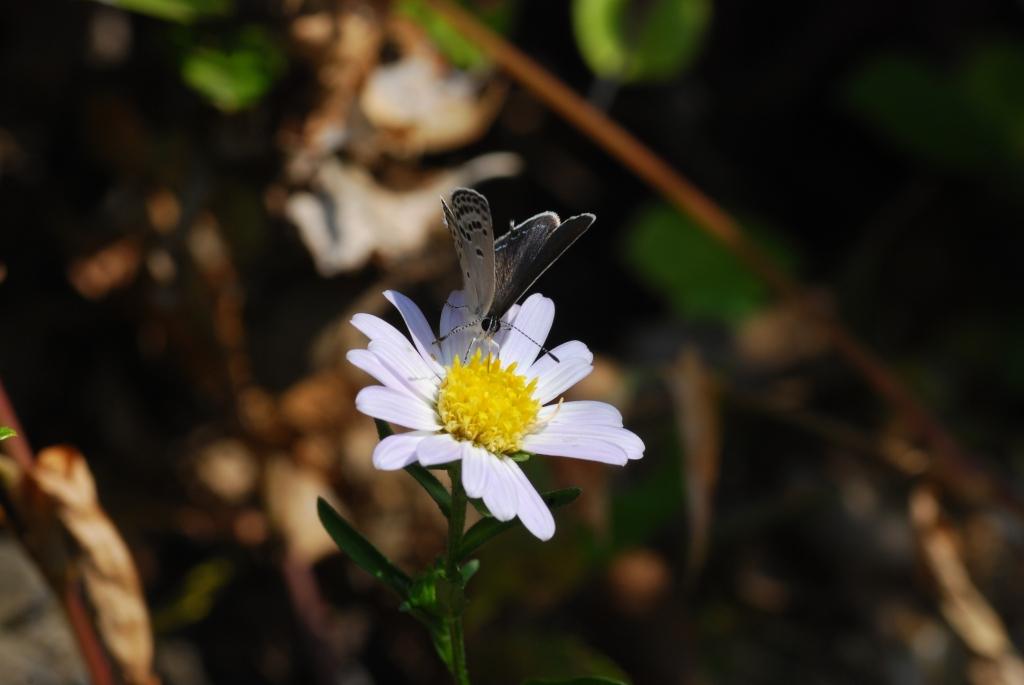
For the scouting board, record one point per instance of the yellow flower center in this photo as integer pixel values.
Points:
(486, 404)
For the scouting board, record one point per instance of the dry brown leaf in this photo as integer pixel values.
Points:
(99, 558)
(966, 610)
(228, 469)
(782, 335)
(113, 266)
(291, 492)
(697, 416)
(416, 105)
(318, 402)
(351, 216)
(342, 46)
(639, 579)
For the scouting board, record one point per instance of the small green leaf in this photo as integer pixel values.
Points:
(6, 432)
(237, 71)
(583, 680)
(181, 11)
(469, 570)
(423, 592)
(699, 276)
(361, 551)
(488, 528)
(633, 41)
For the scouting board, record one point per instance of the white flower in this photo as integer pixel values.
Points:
(482, 404)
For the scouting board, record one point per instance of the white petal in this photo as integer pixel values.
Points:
(385, 374)
(400, 366)
(625, 440)
(582, 412)
(397, 451)
(422, 336)
(398, 407)
(476, 469)
(396, 351)
(532, 325)
(576, 447)
(534, 514)
(371, 364)
(563, 376)
(566, 352)
(453, 315)
(500, 495)
(438, 449)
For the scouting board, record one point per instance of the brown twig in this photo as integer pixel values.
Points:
(97, 662)
(952, 466)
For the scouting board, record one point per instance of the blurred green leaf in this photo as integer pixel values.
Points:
(639, 511)
(236, 72)
(585, 680)
(6, 432)
(199, 592)
(923, 112)
(462, 53)
(488, 528)
(361, 551)
(991, 81)
(699, 276)
(181, 11)
(639, 41)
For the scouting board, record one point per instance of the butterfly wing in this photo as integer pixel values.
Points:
(469, 220)
(524, 253)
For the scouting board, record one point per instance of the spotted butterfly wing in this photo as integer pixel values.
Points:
(469, 220)
(528, 250)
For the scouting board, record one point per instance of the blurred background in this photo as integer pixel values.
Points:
(196, 195)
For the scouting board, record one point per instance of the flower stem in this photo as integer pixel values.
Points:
(456, 525)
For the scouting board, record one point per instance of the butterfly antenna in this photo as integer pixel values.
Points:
(543, 350)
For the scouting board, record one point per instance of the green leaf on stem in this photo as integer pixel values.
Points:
(486, 529)
(361, 550)
(469, 570)
(6, 432)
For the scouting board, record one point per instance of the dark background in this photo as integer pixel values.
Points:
(875, 148)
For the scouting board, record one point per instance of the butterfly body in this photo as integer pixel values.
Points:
(496, 273)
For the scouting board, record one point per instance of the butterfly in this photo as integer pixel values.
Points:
(496, 273)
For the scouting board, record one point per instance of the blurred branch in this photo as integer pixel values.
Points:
(892, 451)
(696, 399)
(952, 466)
